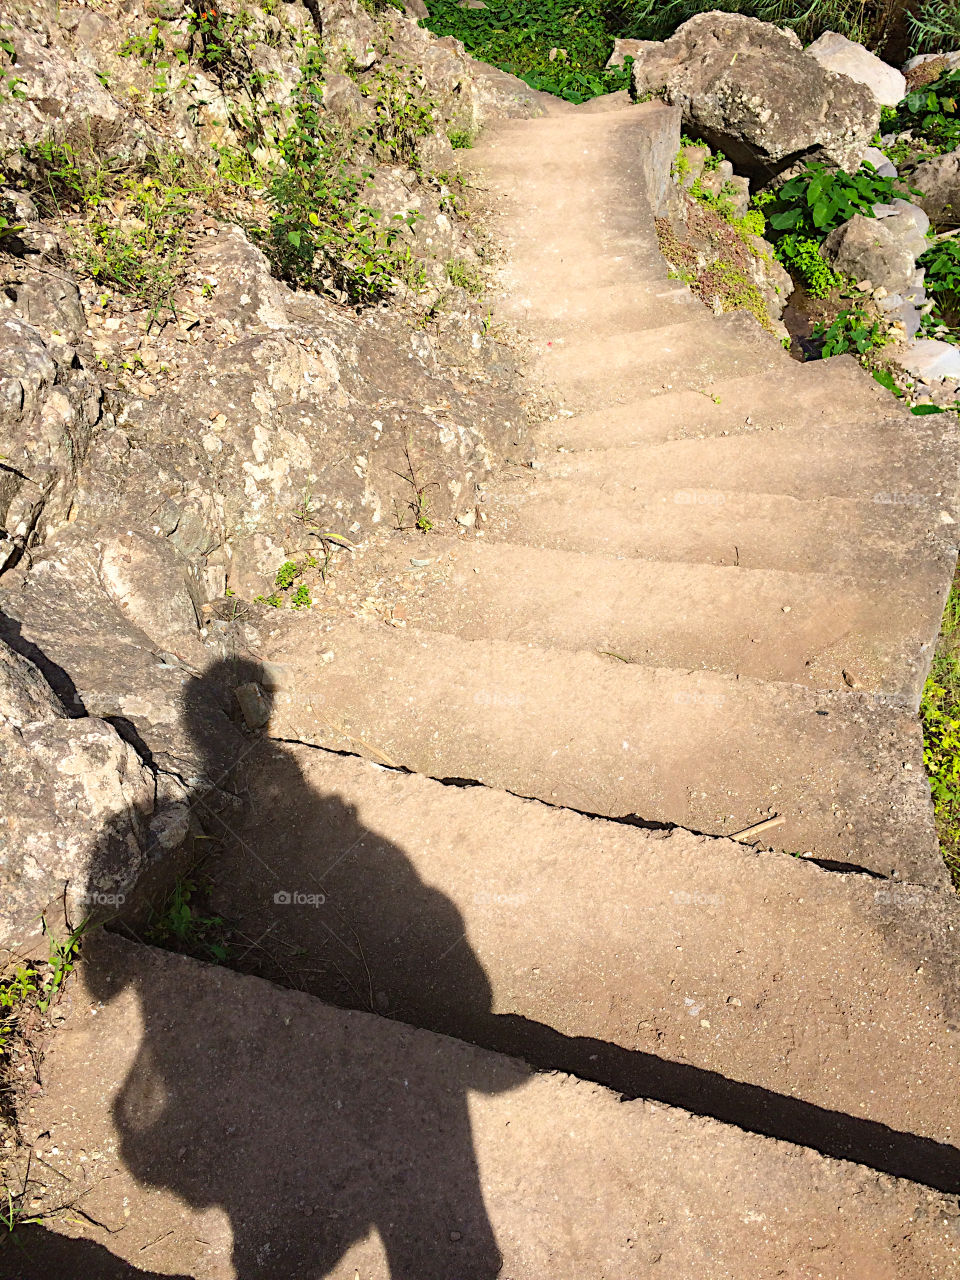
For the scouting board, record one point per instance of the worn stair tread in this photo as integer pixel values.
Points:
(242, 1129)
(834, 391)
(709, 752)
(812, 629)
(566, 315)
(596, 373)
(891, 461)
(842, 535)
(683, 951)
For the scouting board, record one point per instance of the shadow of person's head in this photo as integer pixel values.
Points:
(309, 1126)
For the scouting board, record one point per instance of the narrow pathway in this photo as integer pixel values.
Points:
(702, 622)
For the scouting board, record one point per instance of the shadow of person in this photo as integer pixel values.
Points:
(308, 1125)
(34, 1253)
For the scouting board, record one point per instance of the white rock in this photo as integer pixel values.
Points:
(837, 53)
(930, 360)
(883, 166)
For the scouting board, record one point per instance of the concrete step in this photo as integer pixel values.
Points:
(236, 1129)
(891, 461)
(708, 752)
(567, 315)
(813, 629)
(877, 535)
(806, 1004)
(600, 373)
(834, 392)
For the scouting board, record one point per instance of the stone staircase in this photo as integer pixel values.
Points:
(522, 826)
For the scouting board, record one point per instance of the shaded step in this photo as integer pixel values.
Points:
(834, 391)
(708, 752)
(842, 535)
(812, 629)
(601, 373)
(686, 966)
(243, 1129)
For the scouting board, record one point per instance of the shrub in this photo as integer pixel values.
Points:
(321, 235)
(933, 111)
(802, 258)
(803, 212)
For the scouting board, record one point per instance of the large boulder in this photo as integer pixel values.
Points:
(747, 88)
(837, 53)
(881, 250)
(938, 181)
(77, 802)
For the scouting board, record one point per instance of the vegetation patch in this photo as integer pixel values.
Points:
(940, 714)
(557, 46)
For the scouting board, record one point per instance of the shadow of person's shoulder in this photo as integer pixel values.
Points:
(32, 1252)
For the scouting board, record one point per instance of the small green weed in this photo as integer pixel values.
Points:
(942, 265)
(464, 276)
(181, 923)
(419, 504)
(287, 575)
(852, 330)
(461, 139)
(9, 82)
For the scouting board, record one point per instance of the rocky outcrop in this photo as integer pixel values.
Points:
(77, 805)
(837, 53)
(938, 181)
(747, 88)
(157, 468)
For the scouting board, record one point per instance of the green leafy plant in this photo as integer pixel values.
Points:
(820, 199)
(935, 24)
(402, 115)
(287, 574)
(933, 111)
(802, 258)
(182, 923)
(10, 82)
(942, 265)
(321, 235)
(461, 139)
(852, 330)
